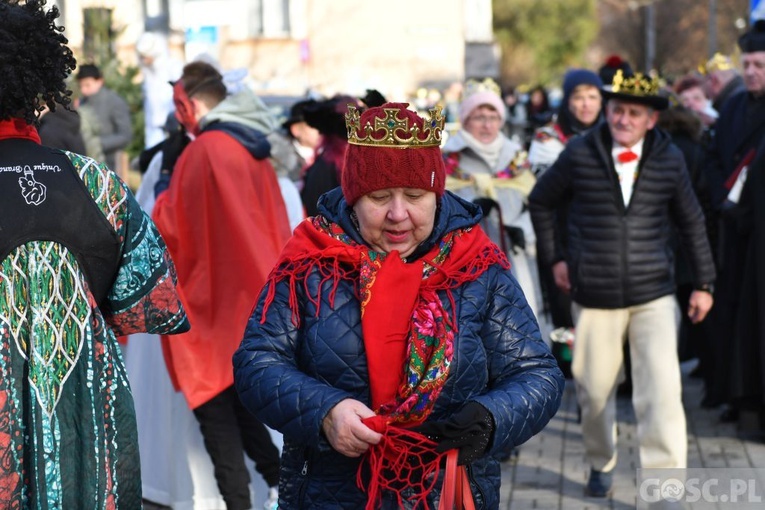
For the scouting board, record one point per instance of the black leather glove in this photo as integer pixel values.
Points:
(470, 430)
(172, 148)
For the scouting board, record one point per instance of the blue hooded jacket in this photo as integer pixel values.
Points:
(291, 377)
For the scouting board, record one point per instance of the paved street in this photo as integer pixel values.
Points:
(550, 473)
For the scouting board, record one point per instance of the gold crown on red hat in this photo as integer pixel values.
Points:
(638, 85)
(397, 133)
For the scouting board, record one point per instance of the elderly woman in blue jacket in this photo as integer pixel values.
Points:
(391, 339)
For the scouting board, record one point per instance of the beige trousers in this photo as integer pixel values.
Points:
(657, 391)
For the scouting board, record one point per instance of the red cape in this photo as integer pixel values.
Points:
(225, 223)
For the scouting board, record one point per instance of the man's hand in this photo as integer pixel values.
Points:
(345, 431)
(560, 273)
(699, 305)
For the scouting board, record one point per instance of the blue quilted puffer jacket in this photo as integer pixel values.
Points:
(290, 377)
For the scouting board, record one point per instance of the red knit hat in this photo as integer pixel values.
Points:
(390, 146)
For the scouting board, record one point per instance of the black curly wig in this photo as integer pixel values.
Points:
(34, 60)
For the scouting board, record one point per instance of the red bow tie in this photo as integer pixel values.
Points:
(626, 156)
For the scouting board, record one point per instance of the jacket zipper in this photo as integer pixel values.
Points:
(304, 483)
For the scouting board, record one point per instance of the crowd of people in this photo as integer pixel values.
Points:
(356, 300)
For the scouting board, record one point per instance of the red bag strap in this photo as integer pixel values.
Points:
(455, 493)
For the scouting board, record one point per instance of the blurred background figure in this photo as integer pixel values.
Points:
(305, 138)
(485, 166)
(691, 93)
(612, 64)
(158, 70)
(328, 118)
(515, 123)
(112, 114)
(722, 80)
(61, 129)
(538, 111)
(688, 133)
(579, 111)
(738, 141)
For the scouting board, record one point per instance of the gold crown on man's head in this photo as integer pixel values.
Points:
(718, 62)
(638, 85)
(397, 133)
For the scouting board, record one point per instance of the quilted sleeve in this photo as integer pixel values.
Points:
(525, 383)
(550, 190)
(268, 380)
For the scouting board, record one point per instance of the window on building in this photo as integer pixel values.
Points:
(274, 18)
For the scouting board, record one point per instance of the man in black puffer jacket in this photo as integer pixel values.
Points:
(625, 185)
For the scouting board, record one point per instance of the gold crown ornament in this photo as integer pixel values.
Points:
(718, 62)
(397, 133)
(473, 86)
(638, 85)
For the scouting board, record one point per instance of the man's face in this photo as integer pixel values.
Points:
(714, 84)
(629, 122)
(754, 72)
(89, 86)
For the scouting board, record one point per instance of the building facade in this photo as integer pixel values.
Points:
(291, 46)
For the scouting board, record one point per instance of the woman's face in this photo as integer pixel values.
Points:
(306, 135)
(584, 103)
(396, 218)
(483, 124)
(694, 99)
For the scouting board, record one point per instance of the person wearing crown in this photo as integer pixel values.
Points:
(721, 79)
(485, 166)
(392, 334)
(626, 185)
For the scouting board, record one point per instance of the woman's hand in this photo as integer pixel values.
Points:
(345, 431)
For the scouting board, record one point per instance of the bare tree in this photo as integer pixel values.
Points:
(682, 32)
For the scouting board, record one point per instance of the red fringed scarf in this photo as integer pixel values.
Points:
(404, 324)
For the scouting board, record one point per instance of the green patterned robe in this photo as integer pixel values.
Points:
(67, 423)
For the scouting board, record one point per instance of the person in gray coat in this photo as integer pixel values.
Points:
(115, 128)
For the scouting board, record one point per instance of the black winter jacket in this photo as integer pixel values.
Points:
(739, 130)
(290, 378)
(620, 256)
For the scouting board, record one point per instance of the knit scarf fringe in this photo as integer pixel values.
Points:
(404, 460)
